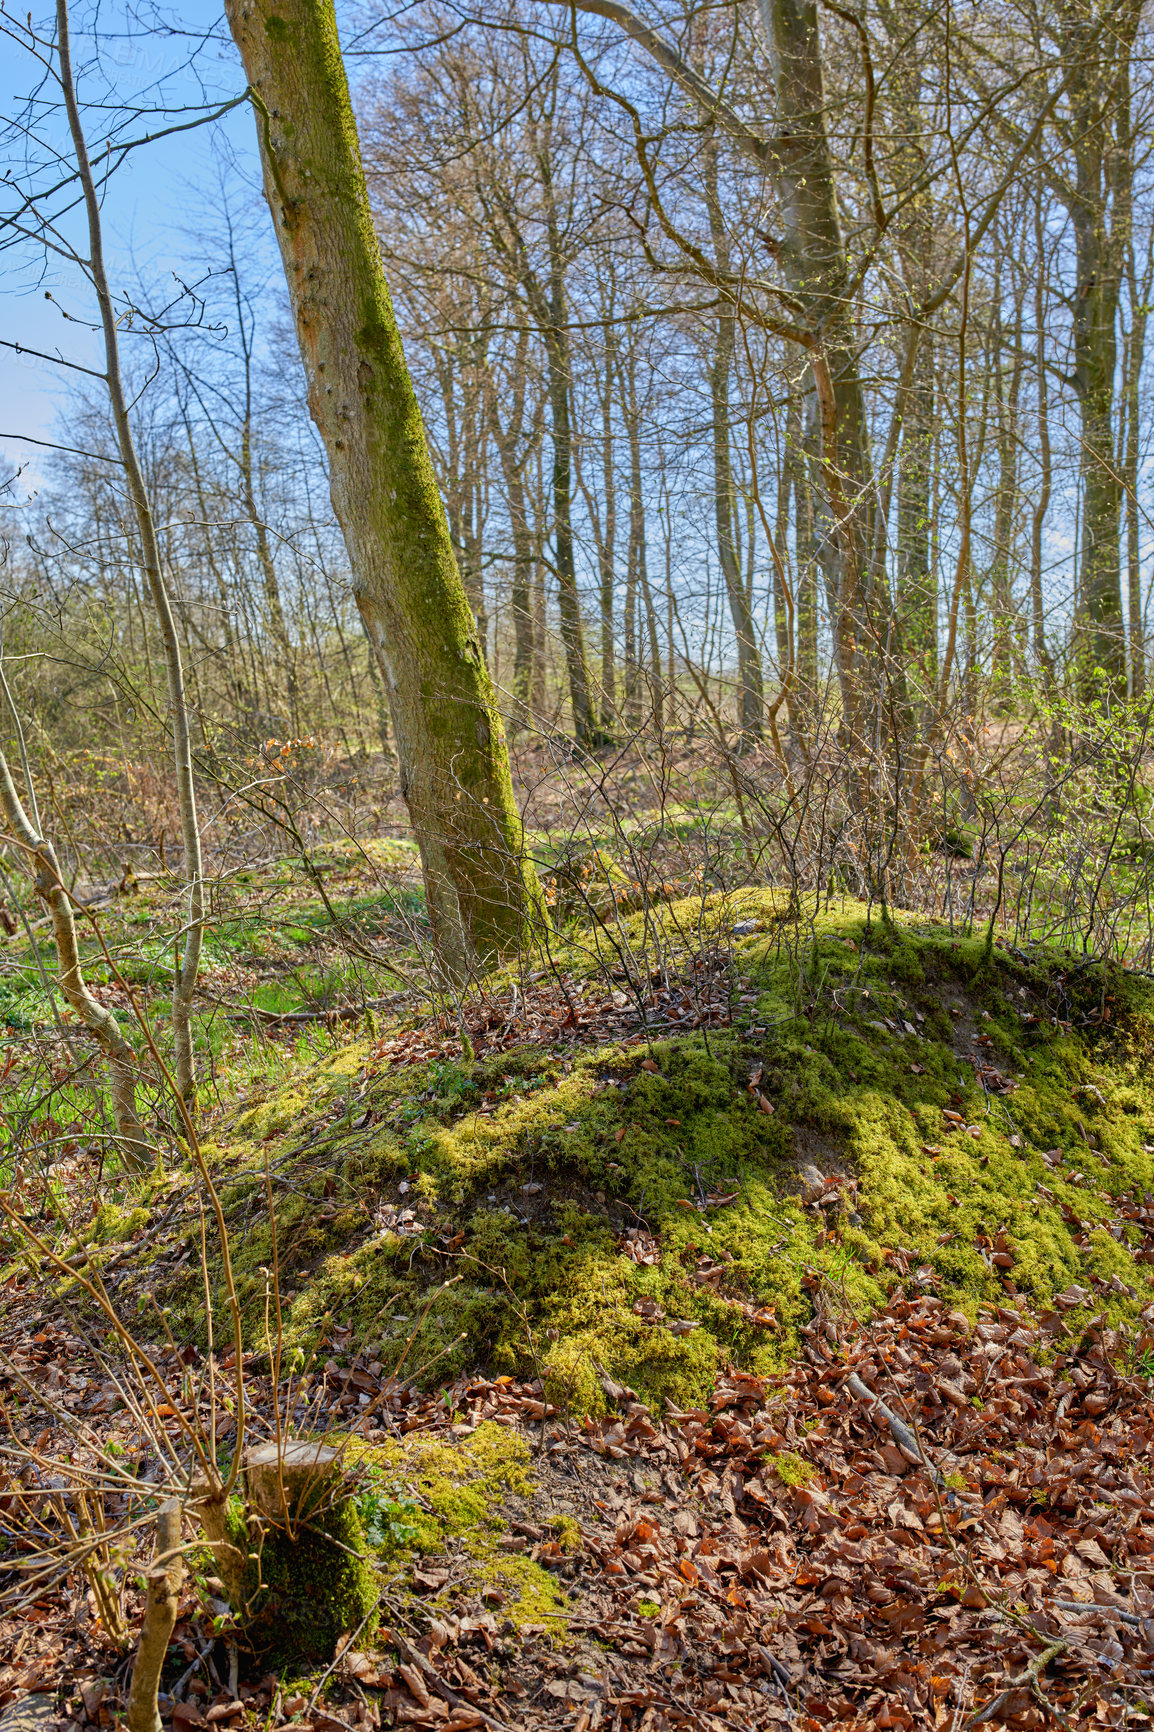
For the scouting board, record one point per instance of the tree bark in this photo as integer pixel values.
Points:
(585, 731)
(916, 601)
(1045, 467)
(1007, 439)
(1132, 378)
(454, 767)
(245, 466)
(607, 546)
(751, 696)
(813, 262)
(917, 598)
(637, 583)
(1097, 40)
(165, 1577)
(514, 451)
(603, 519)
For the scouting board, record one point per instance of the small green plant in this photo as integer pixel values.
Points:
(1144, 1365)
(387, 1519)
(649, 1608)
(449, 1082)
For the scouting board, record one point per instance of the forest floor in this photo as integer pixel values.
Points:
(768, 1345)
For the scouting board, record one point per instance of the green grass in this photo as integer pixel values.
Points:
(269, 942)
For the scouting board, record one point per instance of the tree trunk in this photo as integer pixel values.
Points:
(1132, 379)
(1097, 41)
(813, 262)
(264, 556)
(1045, 476)
(454, 768)
(1007, 438)
(916, 601)
(520, 596)
(796, 481)
(514, 452)
(165, 1578)
(271, 583)
(607, 551)
(604, 524)
(569, 605)
(632, 716)
(560, 371)
(637, 582)
(751, 698)
(917, 598)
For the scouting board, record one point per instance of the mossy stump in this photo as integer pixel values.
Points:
(308, 1578)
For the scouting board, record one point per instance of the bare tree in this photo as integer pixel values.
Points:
(184, 985)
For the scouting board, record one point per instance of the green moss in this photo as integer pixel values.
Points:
(308, 1587)
(272, 1115)
(568, 1531)
(455, 1492)
(649, 1608)
(528, 1171)
(114, 1222)
(792, 1469)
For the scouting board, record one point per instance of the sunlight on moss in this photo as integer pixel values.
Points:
(456, 1492)
(791, 1468)
(633, 1215)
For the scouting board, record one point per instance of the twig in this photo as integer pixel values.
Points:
(336, 1660)
(1029, 1677)
(903, 1435)
(1085, 1606)
(414, 1657)
(288, 1018)
(189, 1670)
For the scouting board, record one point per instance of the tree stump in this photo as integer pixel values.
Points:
(309, 1577)
(293, 1483)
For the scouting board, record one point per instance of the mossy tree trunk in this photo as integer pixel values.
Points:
(454, 767)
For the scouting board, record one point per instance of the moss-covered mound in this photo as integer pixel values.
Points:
(887, 1102)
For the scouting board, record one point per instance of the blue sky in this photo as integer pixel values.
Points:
(147, 207)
